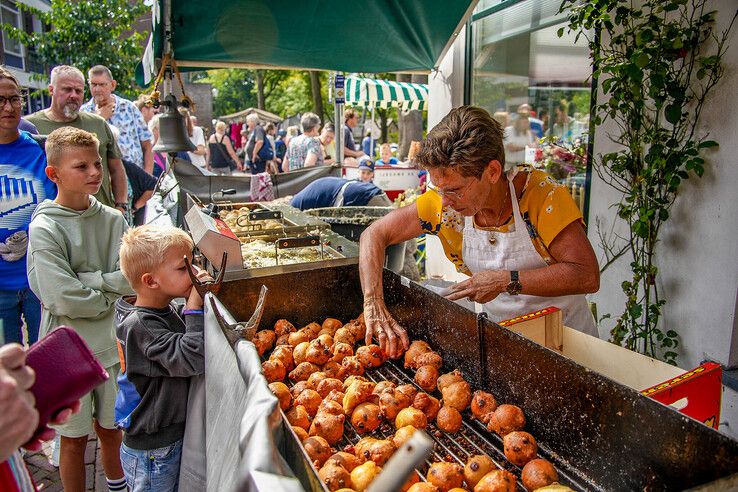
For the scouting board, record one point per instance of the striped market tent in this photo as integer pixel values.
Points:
(374, 93)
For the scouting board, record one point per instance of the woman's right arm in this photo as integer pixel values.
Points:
(397, 226)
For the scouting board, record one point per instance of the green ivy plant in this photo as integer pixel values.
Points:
(656, 61)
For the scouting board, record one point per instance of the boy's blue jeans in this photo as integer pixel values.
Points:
(152, 469)
(13, 303)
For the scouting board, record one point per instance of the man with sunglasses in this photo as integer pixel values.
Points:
(23, 185)
(515, 231)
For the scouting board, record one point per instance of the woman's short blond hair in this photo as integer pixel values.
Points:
(143, 248)
(220, 126)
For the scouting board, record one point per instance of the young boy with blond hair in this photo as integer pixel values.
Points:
(73, 269)
(159, 352)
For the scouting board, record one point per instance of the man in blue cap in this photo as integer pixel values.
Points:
(366, 170)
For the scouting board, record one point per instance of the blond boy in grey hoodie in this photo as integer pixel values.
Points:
(73, 268)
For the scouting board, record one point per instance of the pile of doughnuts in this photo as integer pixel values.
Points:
(328, 388)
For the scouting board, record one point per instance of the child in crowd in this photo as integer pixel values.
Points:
(73, 269)
(159, 352)
(385, 154)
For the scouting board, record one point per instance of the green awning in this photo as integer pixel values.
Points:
(375, 93)
(344, 35)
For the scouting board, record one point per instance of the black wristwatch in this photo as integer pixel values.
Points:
(123, 206)
(514, 287)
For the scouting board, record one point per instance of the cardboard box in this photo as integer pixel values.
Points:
(696, 393)
(544, 327)
(213, 237)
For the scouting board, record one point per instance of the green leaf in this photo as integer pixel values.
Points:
(642, 60)
(672, 334)
(560, 32)
(706, 144)
(677, 44)
(673, 113)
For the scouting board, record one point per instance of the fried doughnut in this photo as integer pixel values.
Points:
(426, 377)
(449, 378)
(317, 449)
(312, 329)
(298, 417)
(282, 327)
(371, 356)
(383, 386)
(352, 366)
(264, 340)
(334, 476)
(282, 392)
(329, 426)
(298, 353)
(482, 405)
(273, 370)
(333, 370)
(445, 475)
(427, 404)
(411, 416)
(330, 406)
(457, 395)
(506, 419)
(350, 380)
(391, 402)
(496, 481)
(363, 475)
(477, 467)
(326, 340)
(336, 396)
(315, 379)
(303, 371)
(310, 399)
(376, 450)
(298, 337)
(327, 385)
(300, 433)
(520, 447)
(344, 335)
(283, 353)
(283, 340)
(416, 348)
(427, 359)
(448, 419)
(402, 435)
(357, 393)
(341, 350)
(331, 324)
(538, 473)
(409, 390)
(366, 417)
(346, 460)
(317, 353)
(299, 387)
(423, 487)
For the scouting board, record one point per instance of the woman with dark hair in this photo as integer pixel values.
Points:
(514, 230)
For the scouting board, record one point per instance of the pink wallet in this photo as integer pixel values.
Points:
(66, 369)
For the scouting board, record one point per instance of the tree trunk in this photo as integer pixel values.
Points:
(260, 89)
(410, 123)
(383, 125)
(315, 88)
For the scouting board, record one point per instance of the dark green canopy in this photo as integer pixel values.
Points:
(342, 35)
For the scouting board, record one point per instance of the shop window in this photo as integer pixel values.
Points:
(13, 50)
(519, 64)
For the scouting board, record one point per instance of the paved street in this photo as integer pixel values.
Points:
(46, 475)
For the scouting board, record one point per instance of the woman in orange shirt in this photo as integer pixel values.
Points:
(514, 230)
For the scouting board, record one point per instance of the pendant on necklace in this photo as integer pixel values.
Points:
(492, 239)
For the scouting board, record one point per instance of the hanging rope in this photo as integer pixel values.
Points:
(155, 96)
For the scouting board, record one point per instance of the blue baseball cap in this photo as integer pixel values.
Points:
(366, 163)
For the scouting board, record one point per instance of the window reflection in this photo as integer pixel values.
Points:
(536, 85)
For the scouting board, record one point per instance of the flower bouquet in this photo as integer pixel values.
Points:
(561, 159)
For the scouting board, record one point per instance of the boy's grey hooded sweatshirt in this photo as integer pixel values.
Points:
(74, 269)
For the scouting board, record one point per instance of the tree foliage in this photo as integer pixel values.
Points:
(85, 33)
(657, 64)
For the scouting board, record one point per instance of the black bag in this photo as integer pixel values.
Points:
(231, 163)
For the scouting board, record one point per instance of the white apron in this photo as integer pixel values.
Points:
(493, 250)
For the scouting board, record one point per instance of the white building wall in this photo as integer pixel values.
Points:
(697, 261)
(445, 92)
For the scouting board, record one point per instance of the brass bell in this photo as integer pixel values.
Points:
(172, 129)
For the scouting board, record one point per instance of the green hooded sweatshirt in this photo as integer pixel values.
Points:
(74, 269)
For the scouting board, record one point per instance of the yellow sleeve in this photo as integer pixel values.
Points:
(447, 224)
(550, 206)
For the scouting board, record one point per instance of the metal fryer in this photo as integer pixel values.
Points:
(599, 434)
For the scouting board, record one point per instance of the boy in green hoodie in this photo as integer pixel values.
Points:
(73, 268)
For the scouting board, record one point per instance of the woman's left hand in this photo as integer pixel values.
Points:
(481, 287)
